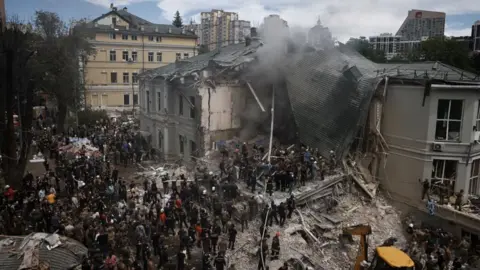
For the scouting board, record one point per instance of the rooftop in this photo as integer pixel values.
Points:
(430, 70)
(136, 24)
(228, 56)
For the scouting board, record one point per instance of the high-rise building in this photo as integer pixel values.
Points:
(274, 28)
(422, 24)
(320, 37)
(219, 28)
(127, 45)
(3, 15)
(476, 36)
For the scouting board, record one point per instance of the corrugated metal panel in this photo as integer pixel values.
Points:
(330, 93)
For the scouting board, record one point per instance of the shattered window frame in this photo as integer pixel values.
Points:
(473, 184)
(444, 176)
(448, 119)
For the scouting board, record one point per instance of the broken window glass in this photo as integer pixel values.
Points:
(473, 185)
(449, 120)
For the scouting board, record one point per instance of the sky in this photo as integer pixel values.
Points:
(346, 18)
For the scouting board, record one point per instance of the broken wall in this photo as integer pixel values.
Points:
(221, 108)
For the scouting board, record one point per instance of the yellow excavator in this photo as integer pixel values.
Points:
(385, 258)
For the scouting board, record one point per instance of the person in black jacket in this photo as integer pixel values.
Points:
(181, 259)
(220, 262)
(232, 235)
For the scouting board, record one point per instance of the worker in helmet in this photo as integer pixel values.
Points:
(276, 246)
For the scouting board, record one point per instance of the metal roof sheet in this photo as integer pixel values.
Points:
(431, 70)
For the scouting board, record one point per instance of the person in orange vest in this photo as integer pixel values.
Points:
(199, 230)
(178, 202)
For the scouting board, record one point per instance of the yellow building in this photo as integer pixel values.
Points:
(126, 45)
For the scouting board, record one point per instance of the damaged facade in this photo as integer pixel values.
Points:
(430, 118)
(191, 105)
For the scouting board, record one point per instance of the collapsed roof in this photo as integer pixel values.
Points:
(37, 249)
(226, 57)
(330, 93)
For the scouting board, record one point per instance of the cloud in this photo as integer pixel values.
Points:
(458, 32)
(347, 18)
(106, 3)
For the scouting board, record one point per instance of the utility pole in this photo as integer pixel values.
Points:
(271, 136)
(133, 98)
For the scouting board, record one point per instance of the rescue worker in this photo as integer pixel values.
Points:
(269, 186)
(232, 235)
(276, 246)
(216, 231)
(282, 213)
(290, 206)
(244, 218)
(220, 262)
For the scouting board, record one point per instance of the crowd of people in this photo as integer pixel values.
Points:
(137, 225)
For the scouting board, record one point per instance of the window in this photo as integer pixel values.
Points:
(185, 55)
(150, 38)
(473, 186)
(125, 55)
(178, 56)
(124, 36)
(135, 99)
(150, 57)
(126, 77)
(159, 101)
(193, 149)
(134, 77)
(159, 139)
(159, 57)
(148, 100)
(158, 39)
(449, 120)
(113, 36)
(444, 174)
(477, 123)
(134, 37)
(114, 21)
(126, 99)
(113, 55)
(181, 141)
(134, 56)
(113, 77)
(180, 105)
(192, 108)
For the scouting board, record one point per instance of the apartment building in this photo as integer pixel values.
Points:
(476, 36)
(220, 28)
(126, 45)
(430, 120)
(274, 28)
(393, 45)
(320, 36)
(422, 24)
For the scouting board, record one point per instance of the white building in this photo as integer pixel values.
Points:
(320, 36)
(392, 45)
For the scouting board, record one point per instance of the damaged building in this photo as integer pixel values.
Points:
(395, 125)
(430, 125)
(190, 105)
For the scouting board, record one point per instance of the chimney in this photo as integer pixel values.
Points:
(111, 6)
(125, 8)
(253, 32)
(248, 41)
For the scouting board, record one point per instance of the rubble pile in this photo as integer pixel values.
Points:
(311, 236)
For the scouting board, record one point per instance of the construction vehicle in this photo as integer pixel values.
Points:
(385, 258)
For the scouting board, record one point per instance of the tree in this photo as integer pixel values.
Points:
(19, 81)
(177, 20)
(202, 49)
(447, 51)
(362, 46)
(62, 48)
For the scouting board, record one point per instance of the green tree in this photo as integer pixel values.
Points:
(447, 51)
(62, 50)
(19, 80)
(202, 49)
(177, 20)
